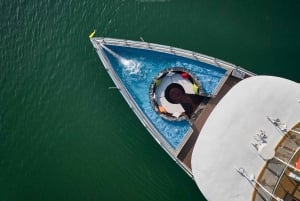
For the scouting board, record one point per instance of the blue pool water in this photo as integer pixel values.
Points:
(137, 68)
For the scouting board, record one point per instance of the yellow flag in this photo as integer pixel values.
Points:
(92, 34)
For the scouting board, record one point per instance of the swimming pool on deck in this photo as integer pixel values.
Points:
(138, 67)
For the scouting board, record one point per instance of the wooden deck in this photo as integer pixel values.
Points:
(185, 153)
(275, 175)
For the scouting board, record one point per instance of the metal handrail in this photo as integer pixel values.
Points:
(135, 108)
(286, 166)
(165, 49)
(173, 50)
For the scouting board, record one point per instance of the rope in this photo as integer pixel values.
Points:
(297, 132)
(244, 174)
(287, 164)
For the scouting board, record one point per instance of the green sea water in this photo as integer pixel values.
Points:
(65, 136)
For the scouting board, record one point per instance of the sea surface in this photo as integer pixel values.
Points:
(65, 136)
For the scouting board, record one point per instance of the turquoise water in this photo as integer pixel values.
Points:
(137, 68)
(65, 136)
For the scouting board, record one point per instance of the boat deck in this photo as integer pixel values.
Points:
(185, 153)
(278, 178)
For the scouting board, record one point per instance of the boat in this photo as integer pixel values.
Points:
(235, 133)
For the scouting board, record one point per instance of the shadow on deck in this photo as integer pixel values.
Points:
(185, 153)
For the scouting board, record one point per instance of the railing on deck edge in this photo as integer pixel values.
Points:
(284, 169)
(140, 115)
(177, 51)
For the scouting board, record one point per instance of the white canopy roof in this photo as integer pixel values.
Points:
(225, 140)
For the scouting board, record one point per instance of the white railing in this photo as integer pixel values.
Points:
(97, 42)
(284, 170)
(177, 51)
(132, 104)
